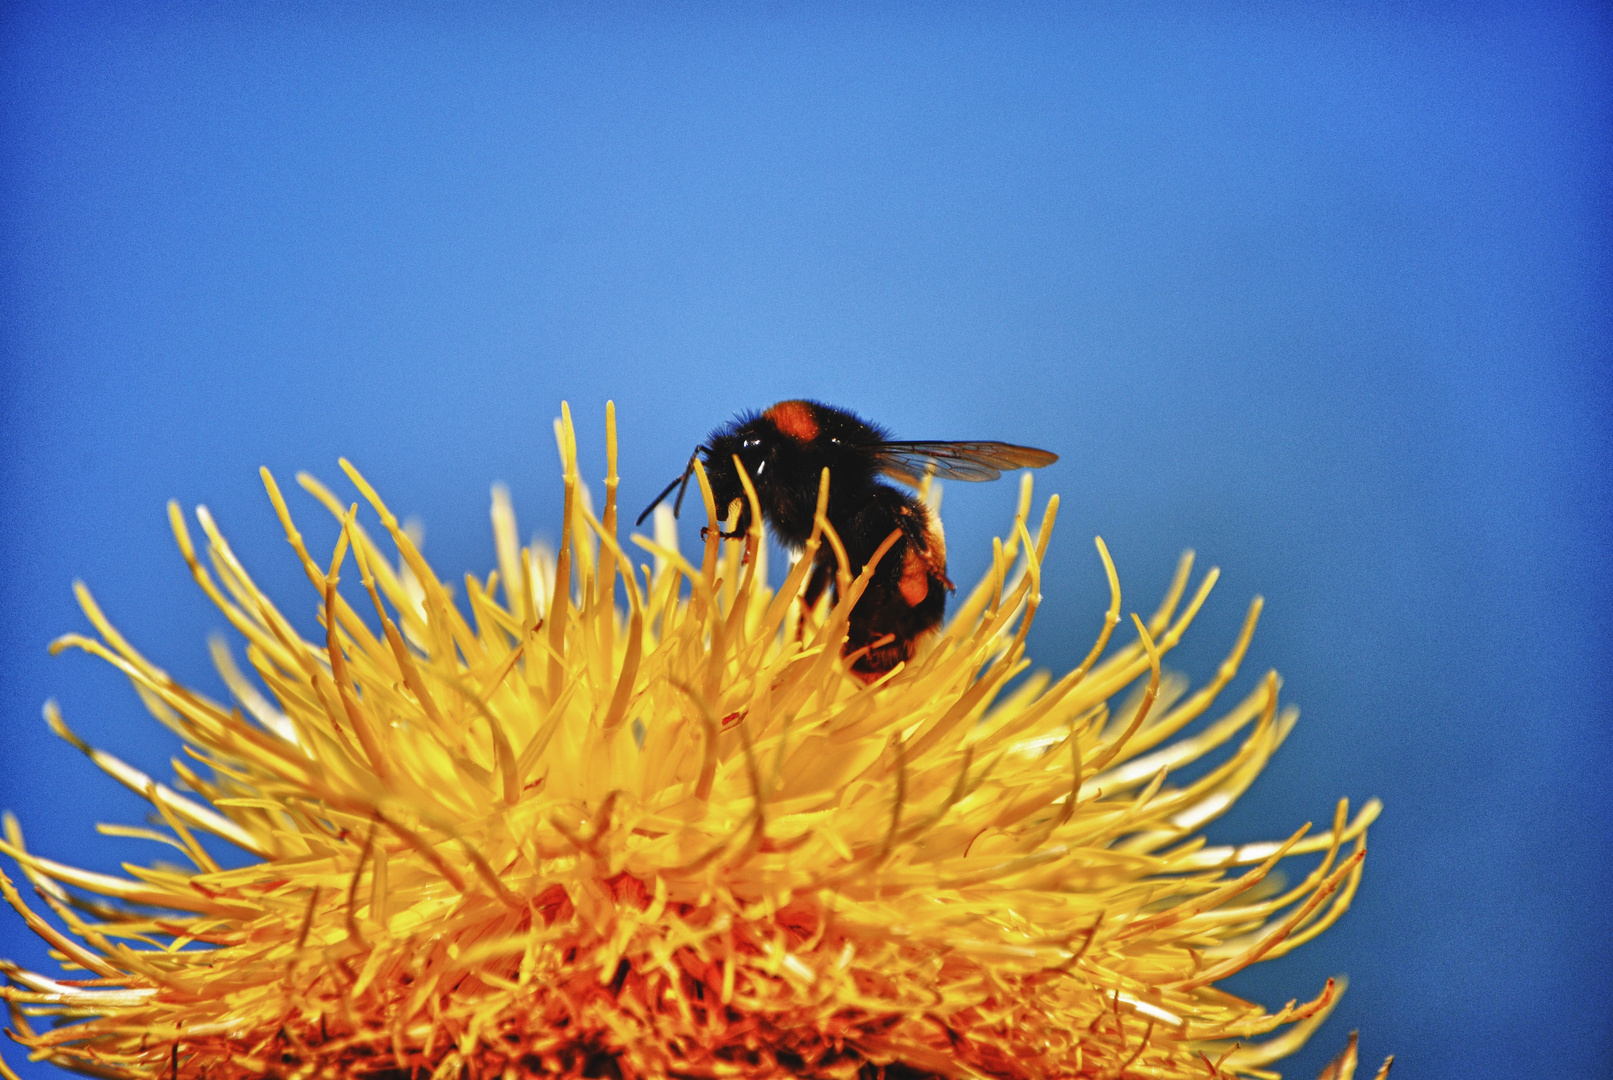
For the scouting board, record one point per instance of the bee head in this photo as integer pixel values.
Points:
(755, 450)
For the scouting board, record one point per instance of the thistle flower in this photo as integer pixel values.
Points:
(529, 833)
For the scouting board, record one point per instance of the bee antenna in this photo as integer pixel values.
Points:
(688, 474)
(682, 479)
(664, 493)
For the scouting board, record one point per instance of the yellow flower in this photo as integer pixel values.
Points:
(524, 832)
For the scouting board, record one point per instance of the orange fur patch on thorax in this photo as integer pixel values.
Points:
(795, 419)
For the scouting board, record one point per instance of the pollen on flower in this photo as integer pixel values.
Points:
(525, 832)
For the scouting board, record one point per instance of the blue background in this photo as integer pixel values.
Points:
(1322, 294)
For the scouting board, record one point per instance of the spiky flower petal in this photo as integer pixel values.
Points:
(527, 833)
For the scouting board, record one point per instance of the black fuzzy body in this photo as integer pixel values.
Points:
(784, 450)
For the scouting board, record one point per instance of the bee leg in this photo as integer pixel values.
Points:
(906, 597)
(822, 577)
(819, 579)
(741, 523)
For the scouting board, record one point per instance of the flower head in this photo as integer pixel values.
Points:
(526, 832)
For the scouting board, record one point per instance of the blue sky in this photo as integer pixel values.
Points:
(1323, 294)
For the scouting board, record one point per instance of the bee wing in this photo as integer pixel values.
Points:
(909, 461)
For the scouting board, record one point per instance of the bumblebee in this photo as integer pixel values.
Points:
(785, 449)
